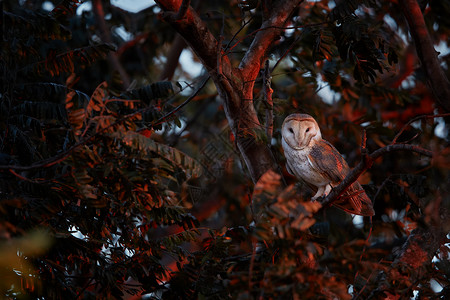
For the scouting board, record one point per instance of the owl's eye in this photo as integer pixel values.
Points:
(307, 129)
(291, 130)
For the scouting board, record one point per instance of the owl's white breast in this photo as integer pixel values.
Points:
(302, 168)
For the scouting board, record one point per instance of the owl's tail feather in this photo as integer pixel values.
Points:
(355, 201)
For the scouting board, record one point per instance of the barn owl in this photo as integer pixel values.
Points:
(318, 163)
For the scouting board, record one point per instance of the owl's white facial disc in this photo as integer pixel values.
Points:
(299, 130)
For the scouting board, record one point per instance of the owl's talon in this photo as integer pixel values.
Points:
(314, 199)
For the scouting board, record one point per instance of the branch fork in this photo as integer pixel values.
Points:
(235, 85)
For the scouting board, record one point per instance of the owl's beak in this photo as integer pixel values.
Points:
(305, 141)
(296, 146)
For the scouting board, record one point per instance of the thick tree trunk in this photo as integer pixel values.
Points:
(235, 85)
(439, 83)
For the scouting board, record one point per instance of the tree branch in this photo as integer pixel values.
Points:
(267, 90)
(172, 58)
(367, 160)
(365, 164)
(261, 44)
(406, 68)
(178, 44)
(106, 37)
(235, 86)
(416, 254)
(165, 117)
(45, 163)
(394, 141)
(183, 9)
(439, 83)
(193, 30)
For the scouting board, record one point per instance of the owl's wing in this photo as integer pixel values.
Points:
(288, 168)
(328, 161)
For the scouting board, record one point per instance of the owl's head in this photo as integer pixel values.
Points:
(300, 131)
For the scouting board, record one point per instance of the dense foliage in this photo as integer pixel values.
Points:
(115, 182)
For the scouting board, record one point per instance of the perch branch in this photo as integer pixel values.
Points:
(366, 162)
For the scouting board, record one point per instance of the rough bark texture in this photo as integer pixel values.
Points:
(427, 54)
(178, 45)
(235, 85)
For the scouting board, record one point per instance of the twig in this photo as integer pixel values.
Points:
(394, 141)
(193, 120)
(219, 57)
(252, 263)
(237, 32)
(366, 163)
(364, 141)
(63, 155)
(365, 285)
(85, 287)
(367, 160)
(28, 179)
(163, 118)
(287, 51)
(380, 188)
(267, 91)
(273, 27)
